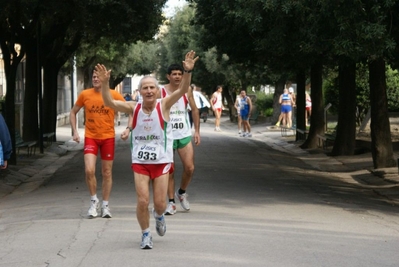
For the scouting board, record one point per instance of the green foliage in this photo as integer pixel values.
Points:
(392, 89)
(264, 103)
(268, 112)
(331, 91)
(143, 57)
(177, 37)
(117, 41)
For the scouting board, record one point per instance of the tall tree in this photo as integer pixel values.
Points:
(277, 34)
(290, 35)
(317, 118)
(381, 142)
(136, 25)
(63, 24)
(380, 44)
(345, 141)
(12, 43)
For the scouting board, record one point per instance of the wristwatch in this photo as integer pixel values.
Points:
(188, 71)
(130, 128)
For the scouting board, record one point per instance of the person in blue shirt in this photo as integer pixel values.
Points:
(245, 112)
(287, 102)
(5, 144)
(127, 97)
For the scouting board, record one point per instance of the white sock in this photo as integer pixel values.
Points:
(105, 203)
(94, 197)
(156, 215)
(146, 231)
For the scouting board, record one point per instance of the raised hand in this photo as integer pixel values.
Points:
(189, 62)
(102, 73)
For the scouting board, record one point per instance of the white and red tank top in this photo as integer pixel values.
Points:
(308, 102)
(151, 139)
(217, 100)
(179, 117)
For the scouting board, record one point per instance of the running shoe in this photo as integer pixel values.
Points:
(278, 123)
(160, 224)
(239, 132)
(170, 209)
(106, 212)
(94, 206)
(249, 135)
(146, 241)
(183, 200)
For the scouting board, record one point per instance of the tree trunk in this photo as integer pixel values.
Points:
(30, 116)
(381, 143)
(226, 94)
(345, 140)
(87, 76)
(115, 82)
(300, 103)
(50, 91)
(317, 122)
(55, 52)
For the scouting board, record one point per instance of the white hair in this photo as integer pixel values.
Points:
(146, 77)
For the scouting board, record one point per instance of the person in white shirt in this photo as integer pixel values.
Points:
(237, 105)
(181, 137)
(217, 106)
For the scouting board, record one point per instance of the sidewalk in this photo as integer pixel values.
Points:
(356, 169)
(31, 172)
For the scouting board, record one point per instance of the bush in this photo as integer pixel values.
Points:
(268, 112)
(331, 92)
(264, 103)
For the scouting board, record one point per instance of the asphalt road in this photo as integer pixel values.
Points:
(251, 205)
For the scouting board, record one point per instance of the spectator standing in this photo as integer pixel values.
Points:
(289, 88)
(201, 102)
(117, 118)
(237, 105)
(308, 108)
(127, 97)
(292, 93)
(217, 106)
(137, 96)
(246, 109)
(292, 115)
(285, 101)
